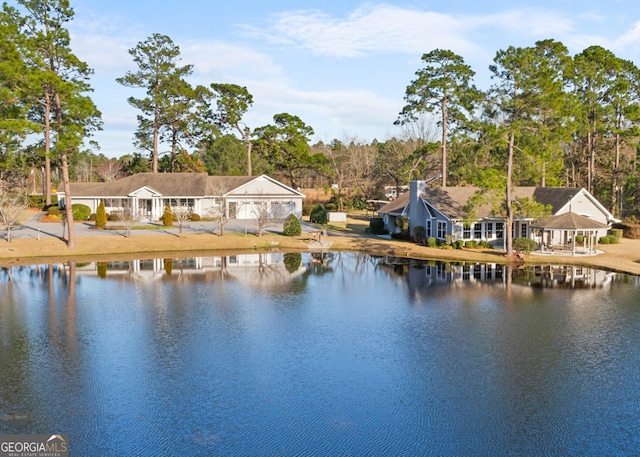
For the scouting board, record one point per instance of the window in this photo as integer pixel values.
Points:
(442, 230)
(523, 230)
(489, 230)
(499, 229)
(477, 230)
(466, 232)
(428, 229)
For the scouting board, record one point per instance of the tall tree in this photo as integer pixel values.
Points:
(158, 72)
(57, 85)
(285, 145)
(596, 72)
(626, 129)
(528, 90)
(443, 85)
(233, 101)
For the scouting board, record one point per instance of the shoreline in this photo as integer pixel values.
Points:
(621, 258)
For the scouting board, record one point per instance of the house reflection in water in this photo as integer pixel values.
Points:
(255, 268)
(420, 274)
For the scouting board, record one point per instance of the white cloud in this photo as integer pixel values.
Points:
(219, 61)
(378, 28)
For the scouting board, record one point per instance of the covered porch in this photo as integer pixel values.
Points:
(568, 234)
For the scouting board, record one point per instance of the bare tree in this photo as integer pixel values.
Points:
(84, 170)
(130, 217)
(11, 208)
(219, 212)
(268, 214)
(110, 170)
(181, 214)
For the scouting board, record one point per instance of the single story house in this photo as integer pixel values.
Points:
(443, 213)
(147, 194)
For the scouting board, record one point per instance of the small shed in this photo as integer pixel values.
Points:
(559, 233)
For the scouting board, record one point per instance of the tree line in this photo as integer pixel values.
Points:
(548, 119)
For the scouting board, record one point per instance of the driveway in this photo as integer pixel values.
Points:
(35, 229)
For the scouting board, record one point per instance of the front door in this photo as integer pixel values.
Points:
(146, 208)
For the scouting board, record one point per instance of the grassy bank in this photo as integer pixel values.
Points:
(623, 257)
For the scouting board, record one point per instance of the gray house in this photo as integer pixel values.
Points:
(443, 213)
(148, 193)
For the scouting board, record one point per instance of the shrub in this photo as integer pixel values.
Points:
(579, 239)
(101, 215)
(115, 217)
(524, 244)
(80, 212)
(376, 226)
(291, 226)
(330, 206)
(617, 233)
(471, 244)
(419, 232)
(402, 223)
(609, 239)
(306, 209)
(195, 217)
(167, 216)
(318, 215)
(432, 242)
(358, 203)
(458, 244)
(53, 211)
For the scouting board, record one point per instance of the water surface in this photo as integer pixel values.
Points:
(338, 354)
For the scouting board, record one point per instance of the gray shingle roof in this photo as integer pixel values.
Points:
(167, 184)
(451, 201)
(568, 221)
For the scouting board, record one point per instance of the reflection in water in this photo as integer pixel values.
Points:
(324, 353)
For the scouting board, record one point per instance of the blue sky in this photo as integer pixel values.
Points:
(341, 66)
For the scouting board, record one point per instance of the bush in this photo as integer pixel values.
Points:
(53, 211)
(471, 244)
(617, 233)
(306, 209)
(80, 212)
(579, 239)
(195, 217)
(402, 223)
(291, 226)
(38, 201)
(330, 206)
(358, 203)
(609, 239)
(458, 244)
(432, 242)
(524, 245)
(167, 216)
(419, 232)
(318, 215)
(376, 226)
(115, 217)
(101, 215)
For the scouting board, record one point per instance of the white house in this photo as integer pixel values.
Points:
(148, 193)
(446, 212)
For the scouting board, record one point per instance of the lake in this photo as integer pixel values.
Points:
(321, 354)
